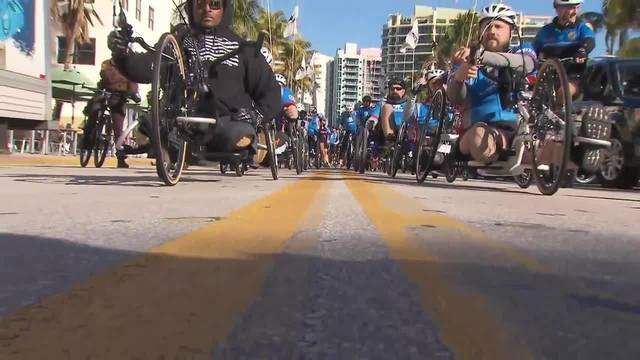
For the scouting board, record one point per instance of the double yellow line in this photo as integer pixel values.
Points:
(184, 297)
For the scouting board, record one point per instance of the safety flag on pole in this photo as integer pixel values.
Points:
(292, 24)
(301, 73)
(411, 41)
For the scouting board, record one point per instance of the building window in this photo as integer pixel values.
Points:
(151, 17)
(138, 10)
(84, 54)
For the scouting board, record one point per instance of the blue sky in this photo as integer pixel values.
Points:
(328, 24)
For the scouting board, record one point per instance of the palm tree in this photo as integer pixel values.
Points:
(463, 30)
(620, 17)
(245, 17)
(273, 25)
(74, 16)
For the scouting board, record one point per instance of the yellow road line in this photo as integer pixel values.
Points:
(53, 160)
(467, 323)
(178, 301)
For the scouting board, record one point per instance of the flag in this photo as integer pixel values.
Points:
(413, 36)
(292, 24)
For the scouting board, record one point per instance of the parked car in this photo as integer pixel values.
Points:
(615, 83)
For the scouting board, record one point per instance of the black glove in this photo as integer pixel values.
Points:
(581, 55)
(117, 43)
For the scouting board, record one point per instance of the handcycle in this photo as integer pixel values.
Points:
(97, 139)
(546, 131)
(176, 129)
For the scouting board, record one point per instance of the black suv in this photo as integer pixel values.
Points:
(615, 83)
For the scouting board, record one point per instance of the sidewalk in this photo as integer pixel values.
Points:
(52, 160)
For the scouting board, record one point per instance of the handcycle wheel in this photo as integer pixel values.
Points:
(223, 168)
(361, 151)
(239, 168)
(167, 98)
(552, 128)
(427, 150)
(524, 180)
(318, 160)
(270, 136)
(396, 153)
(450, 169)
(102, 141)
(304, 145)
(297, 150)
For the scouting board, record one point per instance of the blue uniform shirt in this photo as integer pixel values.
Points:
(562, 43)
(484, 95)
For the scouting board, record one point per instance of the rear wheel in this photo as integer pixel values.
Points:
(397, 152)
(86, 149)
(102, 141)
(168, 95)
(429, 139)
(614, 172)
(361, 150)
(552, 128)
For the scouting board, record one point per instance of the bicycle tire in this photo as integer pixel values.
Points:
(541, 92)
(167, 82)
(424, 161)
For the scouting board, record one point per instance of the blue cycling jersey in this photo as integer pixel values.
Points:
(398, 112)
(363, 113)
(561, 42)
(312, 128)
(484, 95)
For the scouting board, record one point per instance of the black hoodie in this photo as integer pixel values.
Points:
(243, 82)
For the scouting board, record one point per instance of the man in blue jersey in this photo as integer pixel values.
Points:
(392, 112)
(567, 37)
(287, 117)
(478, 84)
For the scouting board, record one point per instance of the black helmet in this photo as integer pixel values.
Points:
(396, 81)
(366, 98)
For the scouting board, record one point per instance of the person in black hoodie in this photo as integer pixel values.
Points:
(238, 87)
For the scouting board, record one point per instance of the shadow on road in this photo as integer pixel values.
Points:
(551, 313)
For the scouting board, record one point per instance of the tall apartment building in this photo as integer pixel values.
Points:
(320, 95)
(149, 18)
(432, 23)
(354, 73)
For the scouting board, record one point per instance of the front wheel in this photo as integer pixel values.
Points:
(552, 127)
(167, 97)
(86, 149)
(270, 135)
(397, 152)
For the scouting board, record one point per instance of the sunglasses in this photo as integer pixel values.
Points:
(397, 88)
(213, 4)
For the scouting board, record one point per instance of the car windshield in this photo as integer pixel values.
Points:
(629, 76)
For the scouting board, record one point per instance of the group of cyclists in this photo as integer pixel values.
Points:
(479, 85)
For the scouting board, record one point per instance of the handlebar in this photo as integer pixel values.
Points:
(103, 92)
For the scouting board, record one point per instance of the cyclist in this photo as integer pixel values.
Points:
(288, 114)
(245, 83)
(490, 119)
(313, 124)
(567, 37)
(348, 123)
(323, 137)
(392, 112)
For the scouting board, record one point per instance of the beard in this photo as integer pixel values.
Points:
(394, 96)
(495, 45)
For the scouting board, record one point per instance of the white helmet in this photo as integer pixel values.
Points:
(434, 74)
(567, 2)
(281, 80)
(267, 55)
(501, 12)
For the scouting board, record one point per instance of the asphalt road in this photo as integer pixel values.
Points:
(108, 264)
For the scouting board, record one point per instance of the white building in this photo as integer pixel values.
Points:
(354, 73)
(432, 23)
(149, 19)
(320, 64)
